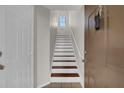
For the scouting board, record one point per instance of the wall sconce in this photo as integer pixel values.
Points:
(98, 17)
(100, 9)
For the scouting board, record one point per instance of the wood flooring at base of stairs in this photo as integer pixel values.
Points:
(63, 85)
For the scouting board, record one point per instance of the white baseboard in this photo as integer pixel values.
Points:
(81, 80)
(82, 85)
(41, 86)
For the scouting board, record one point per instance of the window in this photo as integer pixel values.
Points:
(62, 21)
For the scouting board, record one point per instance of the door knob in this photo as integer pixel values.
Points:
(1, 67)
(84, 60)
(85, 52)
(0, 53)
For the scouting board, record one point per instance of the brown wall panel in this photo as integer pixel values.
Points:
(105, 48)
(115, 49)
(95, 47)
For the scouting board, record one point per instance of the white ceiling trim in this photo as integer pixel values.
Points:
(63, 7)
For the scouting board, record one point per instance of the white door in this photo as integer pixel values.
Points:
(15, 45)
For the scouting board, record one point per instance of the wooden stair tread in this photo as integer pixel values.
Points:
(64, 61)
(63, 39)
(63, 36)
(63, 42)
(64, 67)
(64, 75)
(64, 45)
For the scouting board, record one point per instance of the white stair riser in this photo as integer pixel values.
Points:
(64, 71)
(63, 40)
(64, 49)
(63, 37)
(64, 46)
(64, 58)
(64, 63)
(61, 46)
(65, 79)
(66, 53)
(64, 43)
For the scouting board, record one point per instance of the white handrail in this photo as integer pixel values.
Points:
(79, 57)
(72, 33)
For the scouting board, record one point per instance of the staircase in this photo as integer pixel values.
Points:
(64, 66)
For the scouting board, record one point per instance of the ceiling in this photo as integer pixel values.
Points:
(63, 7)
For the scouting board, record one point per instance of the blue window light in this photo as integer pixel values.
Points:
(62, 21)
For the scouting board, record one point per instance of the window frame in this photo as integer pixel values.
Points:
(62, 20)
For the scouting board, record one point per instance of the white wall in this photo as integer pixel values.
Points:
(56, 15)
(53, 32)
(63, 13)
(76, 23)
(42, 26)
(16, 28)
